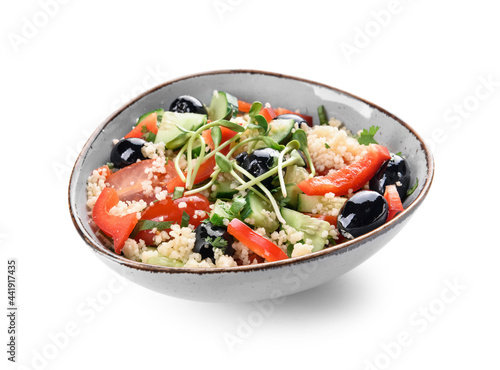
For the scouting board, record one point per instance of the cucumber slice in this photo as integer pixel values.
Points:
(254, 208)
(168, 132)
(222, 106)
(159, 115)
(318, 203)
(313, 228)
(223, 190)
(293, 175)
(281, 131)
(221, 211)
(164, 261)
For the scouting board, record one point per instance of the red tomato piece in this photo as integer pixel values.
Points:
(149, 123)
(127, 181)
(117, 227)
(391, 195)
(255, 242)
(243, 106)
(227, 134)
(168, 210)
(268, 113)
(332, 220)
(308, 119)
(353, 177)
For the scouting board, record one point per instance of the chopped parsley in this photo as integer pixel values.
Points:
(218, 242)
(150, 224)
(178, 192)
(366, 137)
(185, 219)
(327, 146)
(414, 187)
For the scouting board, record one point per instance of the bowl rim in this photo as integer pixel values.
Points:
(122, 260)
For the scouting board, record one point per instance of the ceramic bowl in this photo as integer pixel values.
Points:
(268, 280)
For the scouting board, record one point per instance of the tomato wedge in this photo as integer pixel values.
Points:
(391, 195)
(308, 119)
(268, 113)
(243, 106)
(354, 176)
(168, 210)
(227, 134)
(255, 242)
(118, 227)
(127, 181)
(149, 123)
(332, 220)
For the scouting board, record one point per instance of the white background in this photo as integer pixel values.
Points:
(424, 62)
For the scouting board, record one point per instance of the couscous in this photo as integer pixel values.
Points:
(235, 183)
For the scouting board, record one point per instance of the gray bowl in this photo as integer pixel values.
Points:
(268, 280)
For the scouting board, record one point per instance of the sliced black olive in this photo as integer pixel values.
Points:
(187, 104)
(393, 172)
(362, 213)
(259, 162)
(296, 118)
(210, 236)
(127, 151)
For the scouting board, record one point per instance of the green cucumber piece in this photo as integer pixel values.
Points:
(164, 261)
(280, 132)
(293, 175)
(159, 115)
(169, 133)
(223, 190)
(313, 228)
(306, 203)
(222, 106)
(253, 210)
(221, 211)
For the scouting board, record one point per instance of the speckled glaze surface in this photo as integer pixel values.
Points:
(269, 280)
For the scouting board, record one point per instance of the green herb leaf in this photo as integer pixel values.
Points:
(216, 134)
(301, 136)
(237, 206)
(327, 146)
(178, 193)
(218, 242)
(289, 250)
(284, 201)
(253, 126)
(196, 152)
(366, 137)
(414, 187)
(261, 121)
(185, 219)
(224, 164)
(255, 108)
(272, 144)
(323, 120)
(398, 153)
(149, 225)
(230, 125)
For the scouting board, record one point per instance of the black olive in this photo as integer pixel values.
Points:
(393, 172)
(187, 104)
(127, 151)
(259, 162)
(206, 236)
(296, 118)
(363, 212)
